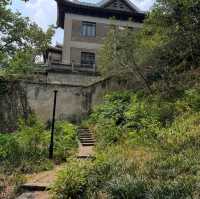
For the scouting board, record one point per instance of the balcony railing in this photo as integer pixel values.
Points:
(73, 67)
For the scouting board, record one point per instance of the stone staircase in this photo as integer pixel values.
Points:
(87, 142)
(37, 186)
(86, 138)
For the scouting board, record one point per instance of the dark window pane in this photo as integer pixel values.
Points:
(88, 29)
(87, 58)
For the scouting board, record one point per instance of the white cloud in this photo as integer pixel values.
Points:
(144, 4)
(42, 11)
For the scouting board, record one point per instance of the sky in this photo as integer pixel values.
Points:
(44, 13)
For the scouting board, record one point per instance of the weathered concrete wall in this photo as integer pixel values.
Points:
(13, 104)
(74, 100)
(72, 79)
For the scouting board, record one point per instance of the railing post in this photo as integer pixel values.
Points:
(94, 68)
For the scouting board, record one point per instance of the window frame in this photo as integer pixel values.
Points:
(88, 29)
(87, 60)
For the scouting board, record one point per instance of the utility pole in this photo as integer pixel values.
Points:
(53, 126)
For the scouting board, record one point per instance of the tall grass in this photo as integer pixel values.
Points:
(152, 152)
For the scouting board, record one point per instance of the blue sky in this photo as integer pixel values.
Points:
(44, 12)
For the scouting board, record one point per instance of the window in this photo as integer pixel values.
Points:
(115, 4)
(87, 58)
(88, 29)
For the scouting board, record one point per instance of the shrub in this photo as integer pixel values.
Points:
(161, 159)
(72, 181)
(65, 139)
(107, 132)
(192, 97)
(127, 187)
(9, 148)
(32, 138)
(9, 185)
(113, 108)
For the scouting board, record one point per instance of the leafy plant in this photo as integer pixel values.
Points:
(72, 181)
(65, 139)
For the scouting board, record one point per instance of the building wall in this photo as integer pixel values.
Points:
(101, 32)
(75, 56)
(73, 39)
(54, 57)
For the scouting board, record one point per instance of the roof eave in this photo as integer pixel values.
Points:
(62, 6)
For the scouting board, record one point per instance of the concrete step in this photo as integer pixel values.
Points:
(86, 157)
(87, 139)
(83, 143)
(35, 186)
(88, 144)
(34, 195)
(85, 135)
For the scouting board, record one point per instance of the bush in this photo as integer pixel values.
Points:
(113, 108)
(9, 148)
(192, 97)
(66, 140)
(9, 185)
(32, 138)
(72, 180)
(26, 150)
(107, 132)
(127, 187)
(153, 153)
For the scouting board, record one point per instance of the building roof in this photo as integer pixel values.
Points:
(97, 10)
(132, 5)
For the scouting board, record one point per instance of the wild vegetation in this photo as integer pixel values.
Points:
(26, 151)
(147, 139)
(21, 41)
(147, 147)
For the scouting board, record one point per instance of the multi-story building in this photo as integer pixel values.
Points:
(86, 25)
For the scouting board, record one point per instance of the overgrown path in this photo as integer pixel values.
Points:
(38, 184)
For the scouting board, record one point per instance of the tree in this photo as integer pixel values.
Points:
(19, 35)
(168, 42)
(119, 56)
(171, 36)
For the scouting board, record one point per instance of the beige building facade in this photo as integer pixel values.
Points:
(86, 25)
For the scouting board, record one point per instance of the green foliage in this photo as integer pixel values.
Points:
(192, 98)
(32, 138)
(156, 156)
(21, 40)
(21, 63)
(114, 107)
(26, 150)
(120, 56)
(117, 54)
(127, 186)
(10, 185)
(65, 139)
(170, 37)
(71, 181)
(9, 148)
(107, 132)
